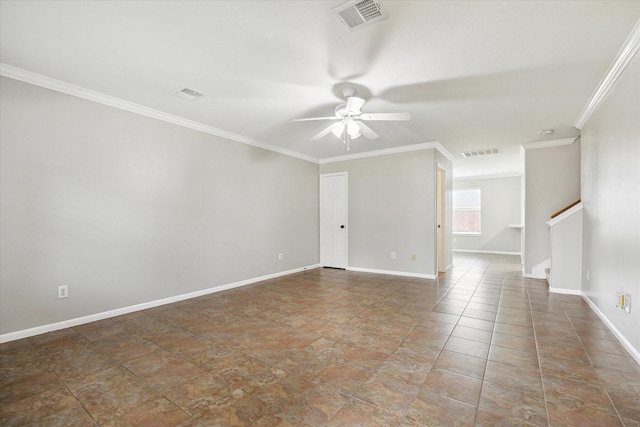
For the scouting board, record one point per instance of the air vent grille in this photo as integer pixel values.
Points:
(351, 17)
(369, 9)
(359, 13)
(481, 152)
(188, 93)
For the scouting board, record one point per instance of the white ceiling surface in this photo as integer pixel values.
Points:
(478, 74)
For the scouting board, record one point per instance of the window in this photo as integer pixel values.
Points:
(466, 211)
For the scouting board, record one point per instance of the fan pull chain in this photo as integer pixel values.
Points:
(346, 139)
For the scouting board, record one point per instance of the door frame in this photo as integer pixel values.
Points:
(441, 219)
(346, 215)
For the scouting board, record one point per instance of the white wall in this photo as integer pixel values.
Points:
(125, 209)
(552, 182)
(500, 198)
(392, 209)
(611, 198)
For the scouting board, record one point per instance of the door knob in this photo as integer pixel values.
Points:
(342, 226)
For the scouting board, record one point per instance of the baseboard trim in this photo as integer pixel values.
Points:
(486, 252)
(625, 343)
(565, 291)
(26, 333)
(393, 273)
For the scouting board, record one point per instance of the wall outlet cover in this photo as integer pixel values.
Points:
(63, 291)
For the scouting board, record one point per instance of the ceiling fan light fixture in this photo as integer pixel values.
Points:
(338, 129)
(353, 129)
(348, 118)
(348, 92)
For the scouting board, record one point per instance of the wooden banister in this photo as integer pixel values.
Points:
(565, 209)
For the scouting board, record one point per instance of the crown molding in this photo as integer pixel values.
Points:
(80, 92)
(387, 151)
(552, 143)
(623, 58)
(445, 152)
(513, 174)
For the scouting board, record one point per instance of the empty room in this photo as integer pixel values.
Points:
(319, 213)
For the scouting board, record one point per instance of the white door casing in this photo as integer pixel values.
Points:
(440, 219)
(333, 220)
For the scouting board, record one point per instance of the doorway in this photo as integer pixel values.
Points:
(333, 220)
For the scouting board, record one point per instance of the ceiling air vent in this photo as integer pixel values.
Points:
(481, 152)
(359, 13)
(187, 93)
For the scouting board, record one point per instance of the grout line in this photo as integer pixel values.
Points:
(542, 381)
(604, 388)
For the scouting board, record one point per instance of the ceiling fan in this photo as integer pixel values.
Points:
(350, 119)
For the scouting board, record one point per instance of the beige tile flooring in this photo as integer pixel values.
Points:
(482, 346)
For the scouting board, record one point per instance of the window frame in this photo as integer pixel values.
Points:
(468, 209)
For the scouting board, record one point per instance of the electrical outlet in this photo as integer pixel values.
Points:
(393, 255)
(280, 256)
(623, 301)
(588, 274)
(63, 291)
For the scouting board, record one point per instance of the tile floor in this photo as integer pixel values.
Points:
(482, 346)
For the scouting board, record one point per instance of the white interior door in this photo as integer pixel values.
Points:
(333, 220)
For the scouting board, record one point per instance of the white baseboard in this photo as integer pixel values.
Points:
(394, 273)
(25, 333)
(565, 291)
(625, 343)
(472, 251)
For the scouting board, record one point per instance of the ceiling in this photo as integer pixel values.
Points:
(476, 74)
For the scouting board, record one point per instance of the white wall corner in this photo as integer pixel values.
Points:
(445, 152)
(537, 271)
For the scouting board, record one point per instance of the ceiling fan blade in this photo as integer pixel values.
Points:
(316, 118)
(386, 116)
(325, 131)
(354, 104)
(367, 131)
